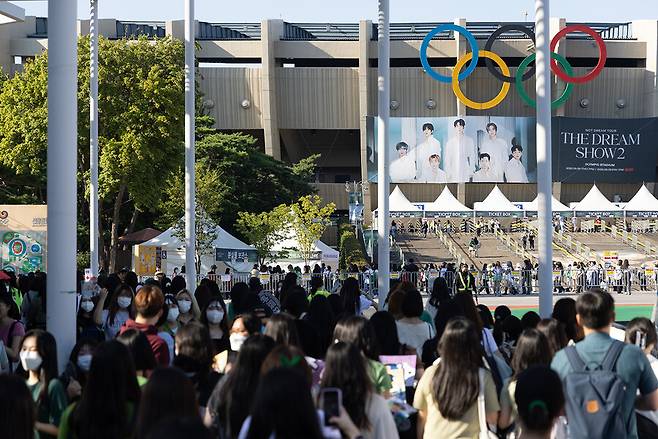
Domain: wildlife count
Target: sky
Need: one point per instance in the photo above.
(219, 11)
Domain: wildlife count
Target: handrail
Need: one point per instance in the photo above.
(575, 248)
(631, 239)
(514, 246)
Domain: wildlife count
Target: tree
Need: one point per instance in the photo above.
(206, 234)
(308, 220)
(141, 108)
(263, 230)
(232, 175)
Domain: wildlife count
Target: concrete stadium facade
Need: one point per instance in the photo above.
(309, 88)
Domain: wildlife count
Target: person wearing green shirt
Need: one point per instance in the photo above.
(108, 404)
(38, 357)
(317, 288)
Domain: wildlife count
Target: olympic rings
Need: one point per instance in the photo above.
(480, 105)
(519, 84)
(489, 44)
(505, 77)
(426, 42)
(603, 54)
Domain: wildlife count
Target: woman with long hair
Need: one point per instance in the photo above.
(76, 371)
(321, 319)
(413, 332)
(140, 352)
(229, 403)
(345, 368)
(214, 317)
(109, 402)
(440, 293)
(532, 348)
(17, 411)
(358, 331)
(11, 330)
(169, 394)
(188, 307)
(446, 396)
(564, 311)
(555, 334)
(282, 328)
(38, 356)
(120, 309)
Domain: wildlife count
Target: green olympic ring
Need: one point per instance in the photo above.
(518, 80)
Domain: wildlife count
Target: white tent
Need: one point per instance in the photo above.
(556, 205)
(496, 204)
(446, 205)
(595, 204)
(235, 253)
(399, 205)
(642, 201)
(321, 253)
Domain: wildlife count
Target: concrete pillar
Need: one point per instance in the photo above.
(647, 32)
(365, 36)
(556, 25)
(271, 31)
(461, 46)
(557, 190)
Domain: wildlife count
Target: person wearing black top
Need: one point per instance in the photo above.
(464, 281)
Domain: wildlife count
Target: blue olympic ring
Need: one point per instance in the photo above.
(426, 42)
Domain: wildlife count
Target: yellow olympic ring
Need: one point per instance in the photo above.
(462, 97)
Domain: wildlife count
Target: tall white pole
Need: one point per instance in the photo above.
(62, 173)
(544, 165)
(190, 192)
(93, 136)
(383, 180)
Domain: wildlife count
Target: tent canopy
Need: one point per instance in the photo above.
(595, 201)
(556, 205)
(224, 240)
(496, 201)
(398, 203)
(642, 201)
(447, 203)
(321, 250)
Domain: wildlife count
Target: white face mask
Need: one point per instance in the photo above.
(184, 306)
(214, 316)
(84, 362)
(124, 302)
(236, 340)
(30, 360)
(172, 315)
(87, 305)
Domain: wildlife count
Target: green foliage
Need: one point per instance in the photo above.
(305, 168)
(205, 233)
(263, 230)
(351, 250)
(308, 220)
(233, 176)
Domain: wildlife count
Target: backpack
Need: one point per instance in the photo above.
(594, 396)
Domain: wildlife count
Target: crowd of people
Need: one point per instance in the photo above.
(159, 360)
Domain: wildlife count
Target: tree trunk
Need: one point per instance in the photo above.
(114, 236)
(131, 225)
(103, 250)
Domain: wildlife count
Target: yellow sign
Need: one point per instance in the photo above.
(649, 272)
(610, 255)
(395, 275)
(144, 260)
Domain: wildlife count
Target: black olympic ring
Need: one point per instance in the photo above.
(489, 44)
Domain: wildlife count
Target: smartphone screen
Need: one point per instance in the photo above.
(330, 404)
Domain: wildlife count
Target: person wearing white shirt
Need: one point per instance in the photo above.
(430, 146)
(485, 173)
(515, 171)
(497, 150)
(403, 168)
(435, 174)
(459, 155)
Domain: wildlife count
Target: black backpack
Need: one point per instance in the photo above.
(594, 396)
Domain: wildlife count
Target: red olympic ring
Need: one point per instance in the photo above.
(603, 54)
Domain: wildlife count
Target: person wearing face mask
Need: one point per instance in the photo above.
(76, 371)
(149, 304)
(188, 308)
(38, 356)
(168, 329)
(117, 313)
(465, 282)
(86, 326)
(243, 326)
(214, 318)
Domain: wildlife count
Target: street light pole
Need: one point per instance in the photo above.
(544, 164)
(190, 192)
(383, 99)
(62, 173)
(93, 137)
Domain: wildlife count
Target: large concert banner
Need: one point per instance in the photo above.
(604, 150)
(458, 149)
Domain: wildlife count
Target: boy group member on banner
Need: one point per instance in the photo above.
(435, 174)
(497, 150)
(485, 173)
(515, 171)
(460, 155)
(429, 147)
(403, 168)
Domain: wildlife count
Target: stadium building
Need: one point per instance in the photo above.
(311, 88)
